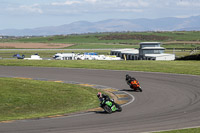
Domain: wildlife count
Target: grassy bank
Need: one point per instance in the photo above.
(23, 98)
(180, 67)
(193, 130)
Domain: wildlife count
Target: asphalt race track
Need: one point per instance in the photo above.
(168, 101)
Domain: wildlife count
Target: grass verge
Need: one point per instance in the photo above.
(192, 130)
(179, 67)
(24, 98)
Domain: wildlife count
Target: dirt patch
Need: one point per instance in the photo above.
(34, 45)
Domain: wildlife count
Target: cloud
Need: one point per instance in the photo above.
(27, 8)
(33, 8)
(183, 16)
(103, 3)
(68, 2)
(130, 10)
(101, 8)
(188, 4)
(91, 1)
(71, 2)
(138, 3)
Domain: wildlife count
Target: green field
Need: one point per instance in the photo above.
(24, 99)
(180, 43)
(189, 39)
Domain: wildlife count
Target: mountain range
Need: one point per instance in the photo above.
(112, 25)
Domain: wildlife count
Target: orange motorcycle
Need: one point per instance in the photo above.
(134, 84)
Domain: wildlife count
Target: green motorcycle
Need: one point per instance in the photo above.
(110, 106)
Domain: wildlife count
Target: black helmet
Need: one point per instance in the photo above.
(127, 76)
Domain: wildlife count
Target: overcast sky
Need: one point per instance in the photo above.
(22, 14)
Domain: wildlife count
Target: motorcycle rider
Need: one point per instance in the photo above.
(103, 97)
(131, 81)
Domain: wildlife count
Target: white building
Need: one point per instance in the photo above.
(64, 56)
(160, 56)
(129, 54)
(85, 56)
(147, 51)
(34, 57)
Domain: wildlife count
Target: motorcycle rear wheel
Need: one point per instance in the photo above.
(107, 109)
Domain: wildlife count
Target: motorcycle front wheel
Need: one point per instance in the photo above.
(140, 89)
(119, 108)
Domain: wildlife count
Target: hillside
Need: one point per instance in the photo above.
(112, 25)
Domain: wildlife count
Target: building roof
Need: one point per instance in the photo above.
(135, 51)
(156, 48)
(65, 54)
(120, 50)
